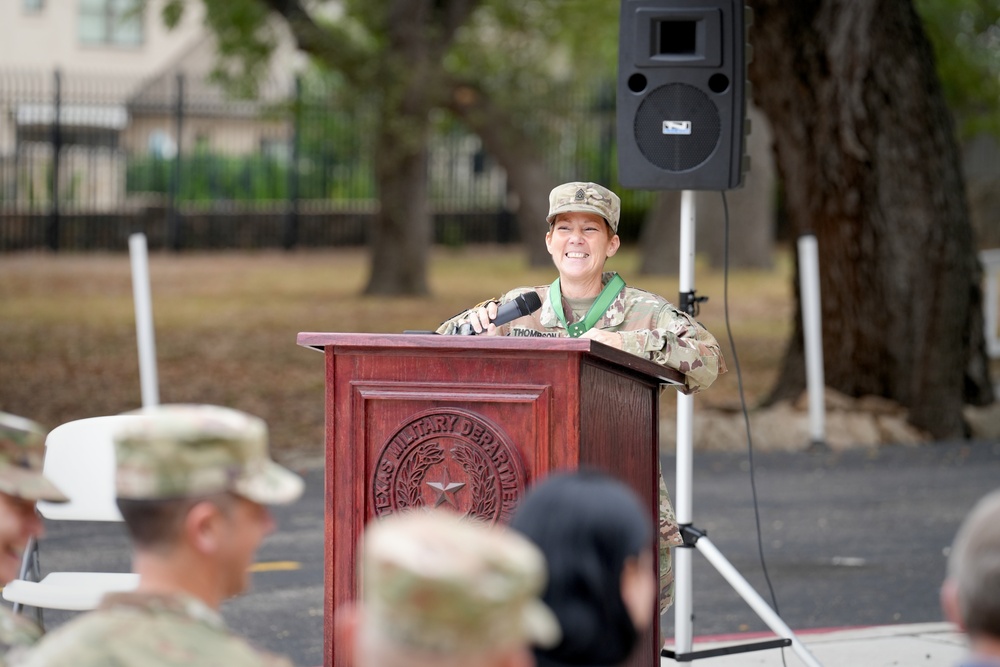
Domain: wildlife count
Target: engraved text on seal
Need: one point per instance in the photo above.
(451, 458)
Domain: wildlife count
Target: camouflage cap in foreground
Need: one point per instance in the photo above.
(22, 453)
(439, 583)
(184, 451)
(585, 197)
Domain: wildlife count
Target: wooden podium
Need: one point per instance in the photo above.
(470, 422)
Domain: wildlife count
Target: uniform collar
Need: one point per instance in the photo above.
(613, 316)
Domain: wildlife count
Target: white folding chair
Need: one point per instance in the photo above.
(80, 460)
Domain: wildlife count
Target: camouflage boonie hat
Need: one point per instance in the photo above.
(22, 453)
(439, 583)
(185, 451)
(586, 197)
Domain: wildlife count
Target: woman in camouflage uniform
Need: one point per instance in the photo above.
(586, 301)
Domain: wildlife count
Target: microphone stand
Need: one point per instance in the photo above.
(693, 537)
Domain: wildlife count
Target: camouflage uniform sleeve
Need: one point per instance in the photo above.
(678, 341)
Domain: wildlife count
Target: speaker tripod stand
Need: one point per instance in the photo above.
(694, 538)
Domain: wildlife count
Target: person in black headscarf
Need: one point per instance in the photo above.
(598, 541)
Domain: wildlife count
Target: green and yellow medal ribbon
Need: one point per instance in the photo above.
(603, 302)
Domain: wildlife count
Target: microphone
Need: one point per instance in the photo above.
(525, 304)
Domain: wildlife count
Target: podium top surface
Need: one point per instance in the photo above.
(368, 341)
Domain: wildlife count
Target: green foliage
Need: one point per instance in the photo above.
(535, 58)
(172, 12)
(966, 39)
(548, 66)
(211, 178)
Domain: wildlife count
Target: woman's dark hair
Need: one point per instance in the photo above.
(587, 524)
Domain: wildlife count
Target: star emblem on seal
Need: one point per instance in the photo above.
(446, 490)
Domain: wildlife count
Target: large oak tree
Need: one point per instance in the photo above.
(866, 149)
(489, 63)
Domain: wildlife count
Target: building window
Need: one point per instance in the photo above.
(113, 22)
(33, 6)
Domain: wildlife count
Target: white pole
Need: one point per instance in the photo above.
(990, 260)
(683, 585)
(812, 328)
(148, 383)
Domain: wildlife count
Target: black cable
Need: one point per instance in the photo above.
(743, 406)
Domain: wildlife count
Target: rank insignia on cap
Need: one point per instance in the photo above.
(585, 198)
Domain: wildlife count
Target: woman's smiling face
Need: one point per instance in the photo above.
(579, 244)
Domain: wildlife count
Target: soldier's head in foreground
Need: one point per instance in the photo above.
(440, 589)
(971, 591)
(193, 484)
(22, 451)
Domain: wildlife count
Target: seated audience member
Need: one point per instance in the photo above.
(971, 592)
(22, 450)
(598, 541)
(192, 483)
(440, 590)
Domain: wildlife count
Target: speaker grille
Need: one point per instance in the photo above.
(677, 102)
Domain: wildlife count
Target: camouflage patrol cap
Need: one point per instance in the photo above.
(440, 583)
(184, 451)
(586, 197)
(22, 452)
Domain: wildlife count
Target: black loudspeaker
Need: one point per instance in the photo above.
(682, 94)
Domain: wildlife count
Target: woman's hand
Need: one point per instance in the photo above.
(609, 338)
(481, 319)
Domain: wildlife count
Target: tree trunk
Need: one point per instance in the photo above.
(751, 208)
(533, 207)
(659, 238)
(401, 235)
(410, 74)
(981, 166)
(527, 173)
(866, 149)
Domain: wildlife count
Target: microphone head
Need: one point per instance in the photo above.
(528, 303)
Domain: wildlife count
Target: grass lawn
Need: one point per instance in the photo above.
(226, 325)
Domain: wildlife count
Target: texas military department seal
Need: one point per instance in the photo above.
(453, 458)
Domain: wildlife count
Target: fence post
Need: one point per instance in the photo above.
(52, 229)
(173, 213)
(292, 216)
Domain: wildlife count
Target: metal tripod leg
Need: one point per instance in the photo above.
(693, 538)
(746, 591)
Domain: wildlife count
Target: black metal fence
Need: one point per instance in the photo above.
(85, 161)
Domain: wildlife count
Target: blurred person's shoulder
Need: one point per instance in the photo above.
(147, 631)
(16, 633)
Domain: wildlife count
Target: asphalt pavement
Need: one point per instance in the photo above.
(855, 538)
